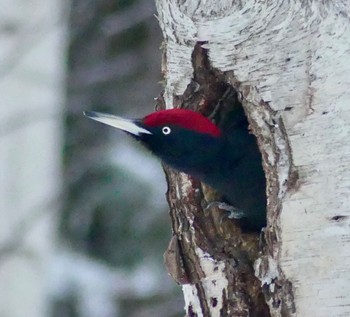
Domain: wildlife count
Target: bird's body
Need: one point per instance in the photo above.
(228, 160)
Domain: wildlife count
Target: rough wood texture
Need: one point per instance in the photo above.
(208, 254)
(289, 60)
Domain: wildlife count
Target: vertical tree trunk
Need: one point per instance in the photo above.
(288, 62)
(32, 48)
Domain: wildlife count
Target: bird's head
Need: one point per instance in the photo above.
(182, 138)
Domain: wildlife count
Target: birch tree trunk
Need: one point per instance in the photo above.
(289, 62)
(32, 48)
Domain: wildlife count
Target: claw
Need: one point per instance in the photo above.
(233, 213)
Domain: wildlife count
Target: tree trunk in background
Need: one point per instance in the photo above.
(32, 63)
(289, 63)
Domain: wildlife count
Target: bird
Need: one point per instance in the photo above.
(228, 160)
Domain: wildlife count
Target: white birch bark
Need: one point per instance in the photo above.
(290, 60)
(32, 47)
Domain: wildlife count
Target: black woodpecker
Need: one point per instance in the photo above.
(189, 142)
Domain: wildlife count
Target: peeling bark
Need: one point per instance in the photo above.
(288, 64)
(208, 254)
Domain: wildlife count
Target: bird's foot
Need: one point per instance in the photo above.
(233, 213)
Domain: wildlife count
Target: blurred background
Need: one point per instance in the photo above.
(84, 217)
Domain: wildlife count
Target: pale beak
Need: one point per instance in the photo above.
(126, 125)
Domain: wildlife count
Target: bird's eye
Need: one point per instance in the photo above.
(166, 130)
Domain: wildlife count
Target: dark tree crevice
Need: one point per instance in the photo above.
(220, 237)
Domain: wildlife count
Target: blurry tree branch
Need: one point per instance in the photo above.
(106, 70)
(119, 22)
